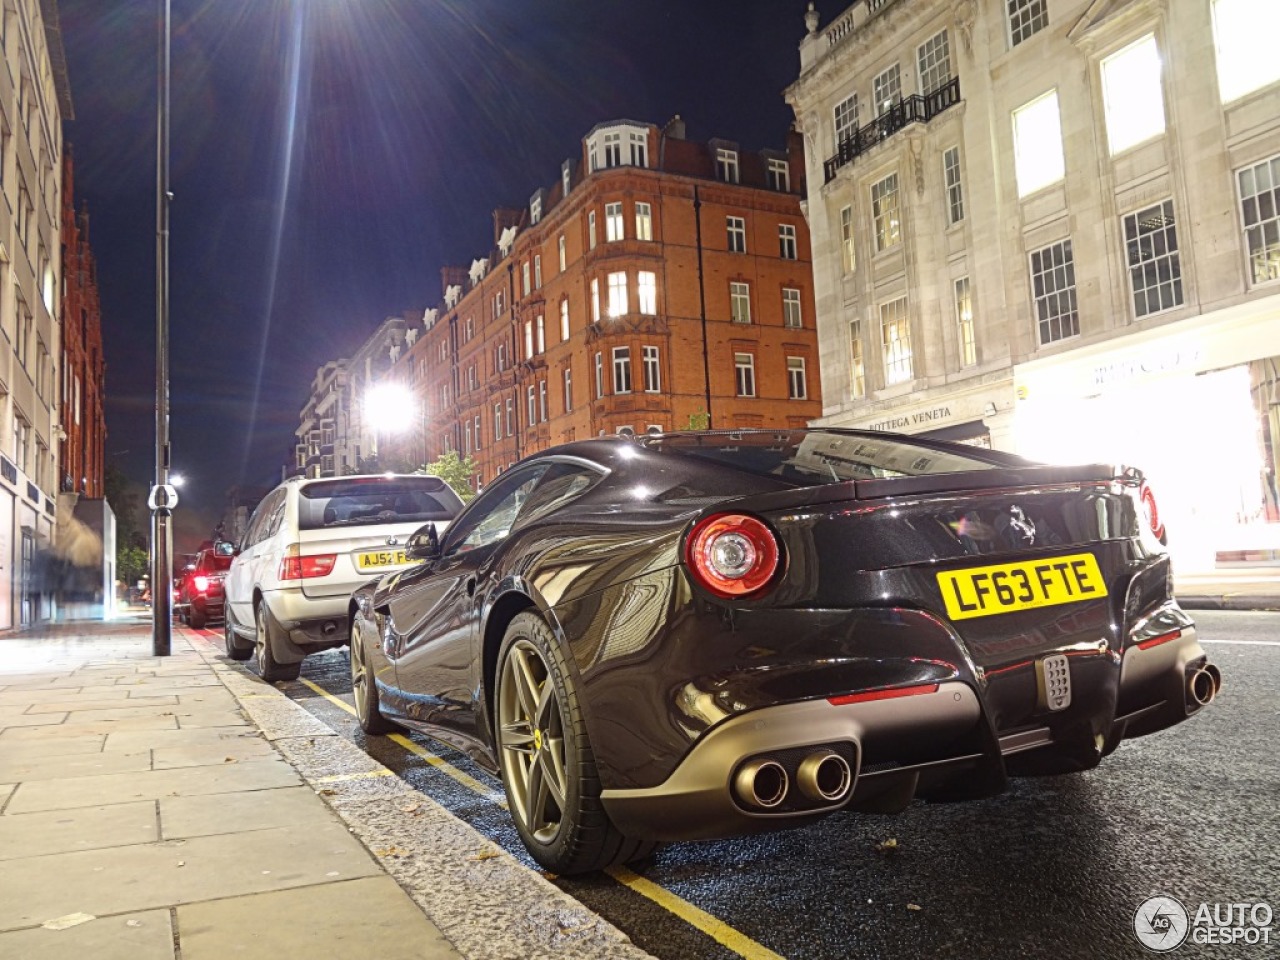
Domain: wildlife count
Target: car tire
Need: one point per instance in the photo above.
(268, 667)
(548, 767)
(196, 619)
(364, 688)
(234, 645)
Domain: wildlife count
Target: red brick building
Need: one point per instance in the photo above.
(660, 283)
(81, 414)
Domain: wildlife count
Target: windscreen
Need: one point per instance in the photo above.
(808, 458)
(211, 562)
(367, 501)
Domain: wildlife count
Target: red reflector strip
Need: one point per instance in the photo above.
(1156, 641)
(891, 694)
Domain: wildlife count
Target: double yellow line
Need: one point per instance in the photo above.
(716, 929)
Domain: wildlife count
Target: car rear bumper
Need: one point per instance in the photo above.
(306, 625)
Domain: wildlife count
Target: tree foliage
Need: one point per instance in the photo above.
(454, 470)
(132, 564)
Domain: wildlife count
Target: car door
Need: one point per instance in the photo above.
(244, 574)
(435, 609)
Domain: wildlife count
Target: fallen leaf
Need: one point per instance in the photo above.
(182, 863)
(411, 808)
(890, 844)
(229, 760)
(70, 920)
(391, 851)
(327, 792)
(486, 855)
(914, 906)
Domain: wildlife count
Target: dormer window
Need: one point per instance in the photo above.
(779, 175)
(566, 177)
(727, 164)
(535, 210)
(639, 148)
(615, 146)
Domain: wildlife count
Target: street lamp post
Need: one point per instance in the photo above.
(161, 530)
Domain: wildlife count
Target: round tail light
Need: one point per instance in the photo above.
(733, 555)
(201, 583)
(1152, 511)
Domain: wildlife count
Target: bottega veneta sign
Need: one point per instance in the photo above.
(915, 419)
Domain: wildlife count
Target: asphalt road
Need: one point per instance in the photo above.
(1054, 868)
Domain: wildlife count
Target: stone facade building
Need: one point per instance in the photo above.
(658, 284)
(1052, 226)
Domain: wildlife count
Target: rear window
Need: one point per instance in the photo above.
(817, 457)
(211, 561)
(367, 501)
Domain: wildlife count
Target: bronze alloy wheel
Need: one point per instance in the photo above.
(533, 743)
(364, 686)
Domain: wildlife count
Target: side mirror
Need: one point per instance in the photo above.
(225, 548)
(424, 544)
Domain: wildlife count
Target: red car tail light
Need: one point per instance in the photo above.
(1152, 511)
(200, 583)
(297, 566)
(891, 693)
(733, 555)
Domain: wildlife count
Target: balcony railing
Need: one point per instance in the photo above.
(912, 109)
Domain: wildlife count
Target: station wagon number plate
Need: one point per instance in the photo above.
(381, 558)
(1007, 587)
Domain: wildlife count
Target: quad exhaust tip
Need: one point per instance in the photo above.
(761, 784)
(824, 776)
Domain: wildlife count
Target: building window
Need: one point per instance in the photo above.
(528, 339)
(477, 425)
(886, 89)
(542, 401)
(1037, 144)
(540, 326)
(595, 299)
(1053, 284)
(591, 230)
(652, 370)
(511, 416)
(791, 316)
(1260, 209)
(468, 330)
(1132, 95)
(847, 258)
(568, 389)
(644, 221)
(617, 294)
(647, 292)
(535, 210)
(639, 148)
(951, 179)
(933, 58)
(564, 320)
(526, 278)
(497, 421)
(613, 149)
(613, 222)
(537, 271)
(797, 382)
(846, 118)
(467, 429)
(621, 369)
(787, 241)
(964, 323)
(502, 357)
(531, 404)
(565, 178)
(1244, 33)
(1026, 18)
(737, 230)
(779, 175)
(895, 341)
(740, 302)
(727, 164)
(1155, 268)
(599, 375)
(744, 370)
(884, 212)
(563, 257)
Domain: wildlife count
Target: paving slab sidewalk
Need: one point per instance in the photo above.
(154, 808)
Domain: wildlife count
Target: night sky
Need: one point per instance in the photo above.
(329, 156)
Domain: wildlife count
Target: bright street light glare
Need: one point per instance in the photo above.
(388, 407)
(177, 479)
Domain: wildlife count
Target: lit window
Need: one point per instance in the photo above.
(563, 259)
(591, 230)
(535, 209)
(617, 294)
(1132, 96)
(887, 89)
(791, 316)
(951, 179)
(737, 230)
(621, 369)
(644, 221)
(1026, 18)
(727, 164)
(1260, 209)
(542, 333)
(647, 292)
(537, 271)
(740, 302)
(895, 340)
(933, 58)
(652, 370)
(797, 382)
(612, 222)
(787, 241)
(964, 321)
(526, 277)
(884, 211)
(779, 175)
(528, 339)
(564, 320)
(1053, 285)
(846, 118)
(595, 299)
(1037, 144)
(847, 257)
(1155, 266)
(744, 369)
(1245, 32)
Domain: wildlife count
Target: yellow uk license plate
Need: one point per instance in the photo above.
(1006, 587)
(381, 558)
